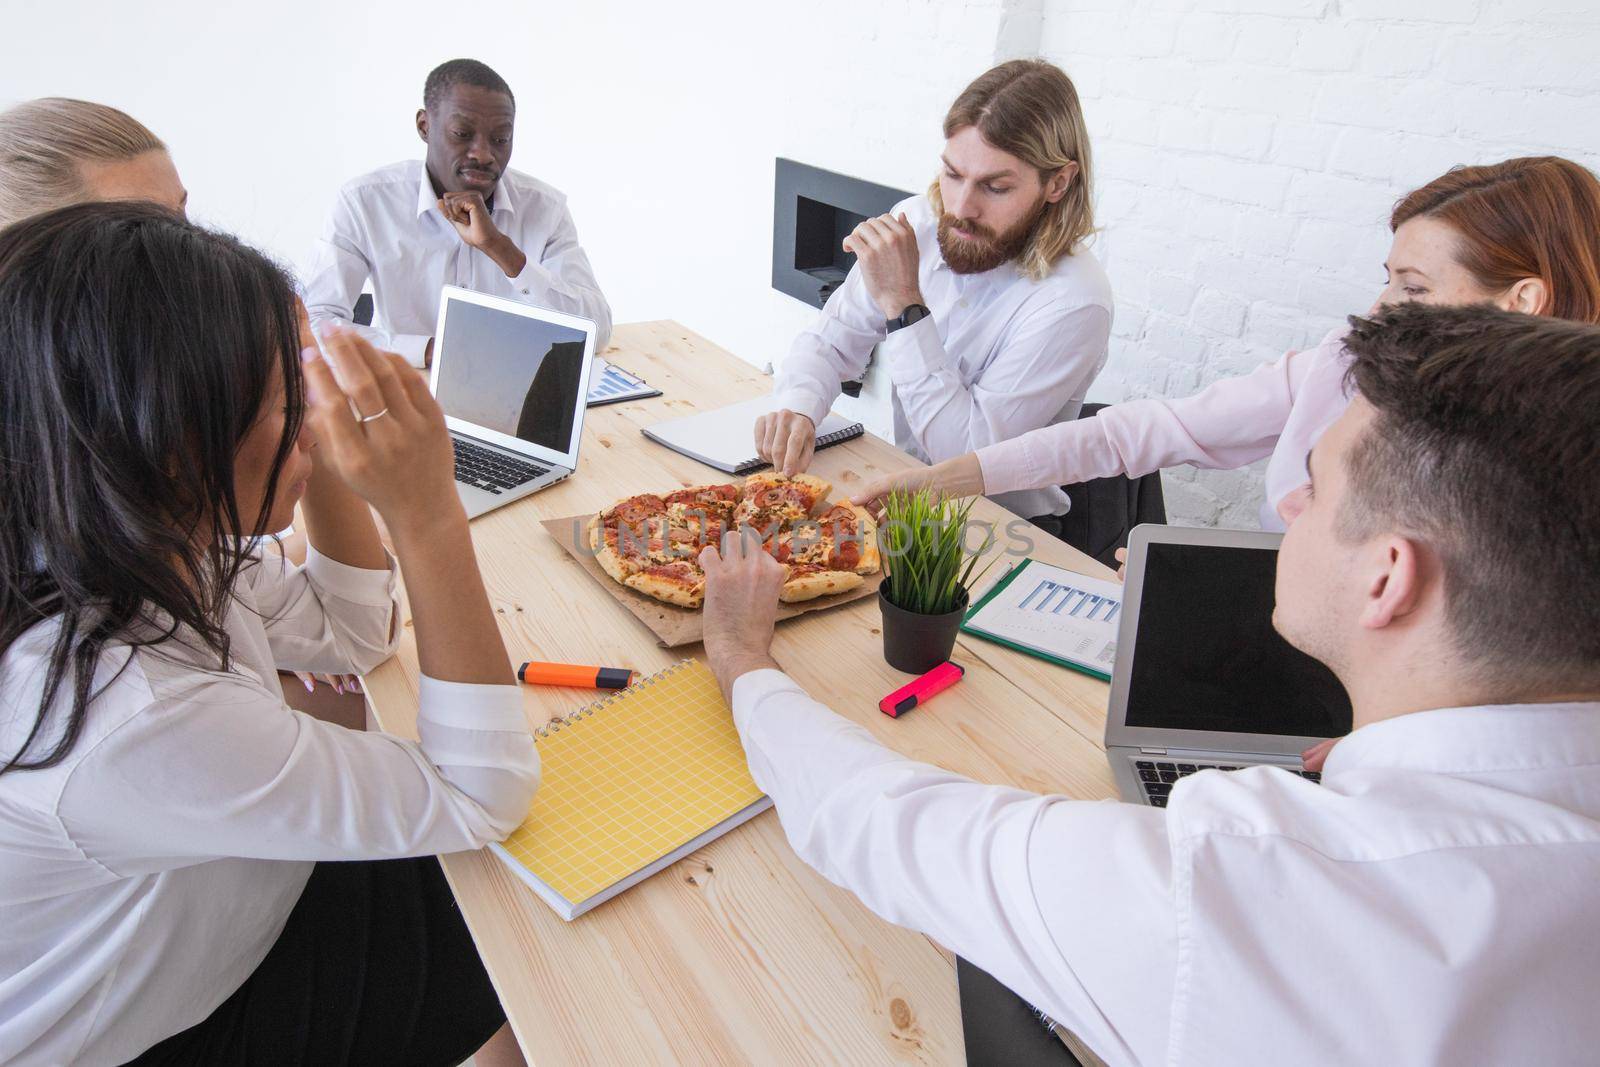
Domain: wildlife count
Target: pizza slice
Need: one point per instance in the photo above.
(768, 498)
(807, 581)
(604, 543)
(852, 539)
(679, 582)
(713, 501)
(699, 514)
(623, 549)
(843, 538)
(634, 511)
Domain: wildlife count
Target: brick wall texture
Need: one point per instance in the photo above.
(1248, 153)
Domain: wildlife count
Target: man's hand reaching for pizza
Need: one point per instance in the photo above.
(786, 439)
(742, 585)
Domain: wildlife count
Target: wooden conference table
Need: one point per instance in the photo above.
(739, 953)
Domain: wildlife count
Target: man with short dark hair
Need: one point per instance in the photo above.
(1433, 900)
(461, 216)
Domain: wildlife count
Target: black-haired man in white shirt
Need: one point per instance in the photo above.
(460, 216)
(1433, 900)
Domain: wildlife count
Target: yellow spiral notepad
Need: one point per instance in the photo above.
(629, 785)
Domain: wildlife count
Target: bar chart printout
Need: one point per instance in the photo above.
(1054, 597)
(609, 383)
(1054, 613)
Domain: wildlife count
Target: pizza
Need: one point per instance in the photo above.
(651, 542)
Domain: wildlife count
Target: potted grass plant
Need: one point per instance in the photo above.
(928, 575)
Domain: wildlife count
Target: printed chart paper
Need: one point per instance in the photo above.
(1054, 613)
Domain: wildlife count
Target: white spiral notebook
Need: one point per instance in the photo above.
(725, 438)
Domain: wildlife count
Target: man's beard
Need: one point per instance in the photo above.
(982, 250)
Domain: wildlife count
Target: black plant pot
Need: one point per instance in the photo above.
(917, 643)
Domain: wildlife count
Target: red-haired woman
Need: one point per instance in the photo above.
(1523, 235)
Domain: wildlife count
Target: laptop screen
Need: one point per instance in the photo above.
(1208, 658)
(510, 373)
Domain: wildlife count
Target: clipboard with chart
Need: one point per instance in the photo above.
(610, 384)
(1066, 618)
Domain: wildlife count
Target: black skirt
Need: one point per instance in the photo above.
(375, 965)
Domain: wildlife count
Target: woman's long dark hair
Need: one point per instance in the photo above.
(136, 351)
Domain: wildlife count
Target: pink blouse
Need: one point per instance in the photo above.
(1278, 410)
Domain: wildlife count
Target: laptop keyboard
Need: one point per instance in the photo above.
(1158, 776)
(493, 472)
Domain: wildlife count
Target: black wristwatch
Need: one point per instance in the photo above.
(913, 314)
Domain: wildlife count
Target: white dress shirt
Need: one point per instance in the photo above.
(1433, 901)
(144, 877)
(387, 226)
(1001, 354)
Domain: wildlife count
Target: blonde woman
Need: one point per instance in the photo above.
(990, 316)
(55, 151)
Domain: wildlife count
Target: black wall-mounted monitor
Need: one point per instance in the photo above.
(813, 211)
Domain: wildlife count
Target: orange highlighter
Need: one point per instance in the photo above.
(574, 675)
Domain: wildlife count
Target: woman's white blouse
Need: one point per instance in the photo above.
(144, 877)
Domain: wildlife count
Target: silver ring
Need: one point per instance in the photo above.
(379, 415)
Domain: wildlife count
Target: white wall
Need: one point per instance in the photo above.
(1247, 150)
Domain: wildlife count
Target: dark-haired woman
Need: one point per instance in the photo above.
(167, 825)
(1523, 234)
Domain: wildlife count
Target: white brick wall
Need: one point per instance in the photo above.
(1249, 151)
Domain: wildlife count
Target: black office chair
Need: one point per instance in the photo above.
(361, 314)
(1104, 510)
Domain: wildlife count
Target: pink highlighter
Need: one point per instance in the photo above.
(921, 689)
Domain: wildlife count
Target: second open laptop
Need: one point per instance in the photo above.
(1202, 680)
(513, 380)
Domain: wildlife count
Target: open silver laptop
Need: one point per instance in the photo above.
(1202, 680)
(513, 380)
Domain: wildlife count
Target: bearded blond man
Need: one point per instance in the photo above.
(990, 316)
